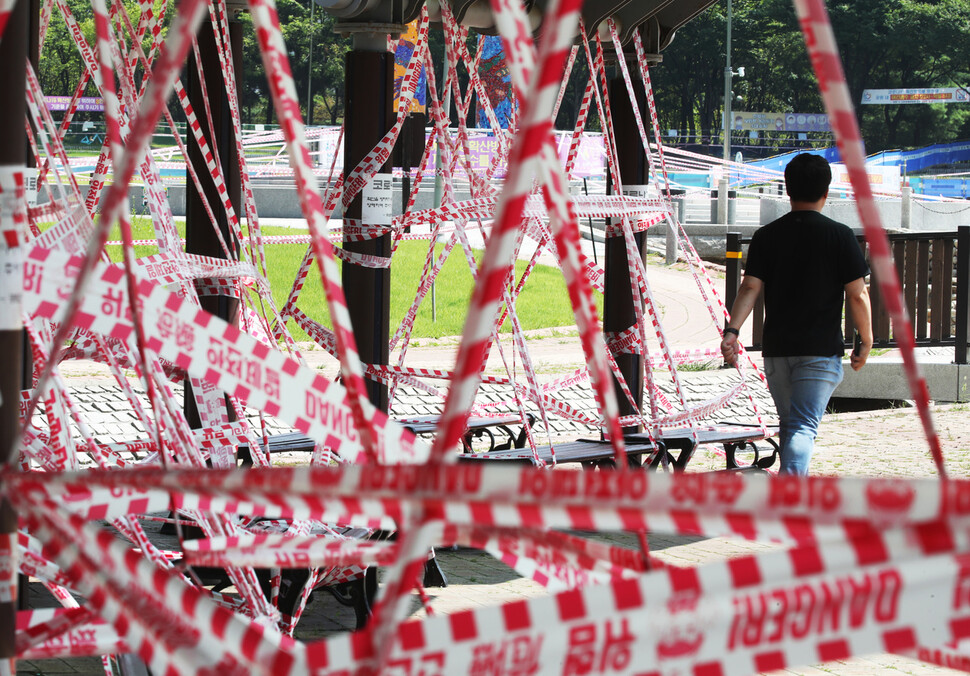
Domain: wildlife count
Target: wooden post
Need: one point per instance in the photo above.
(963, 293)
(200, 237)
(369, 89)
(13, 155)
(732, 272)
(619, 312)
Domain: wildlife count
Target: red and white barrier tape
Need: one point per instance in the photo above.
(608, 631)
(210, 349)
(827, 63)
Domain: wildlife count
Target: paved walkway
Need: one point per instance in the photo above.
(884, 442)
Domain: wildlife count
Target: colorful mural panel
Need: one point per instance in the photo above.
(497, 82)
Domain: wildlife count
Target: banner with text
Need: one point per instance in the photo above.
(85, 104)
(910, 96)
(780, 122)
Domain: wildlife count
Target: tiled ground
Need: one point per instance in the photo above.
(881, 442)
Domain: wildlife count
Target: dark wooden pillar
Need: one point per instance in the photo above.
(13, 55)
(407, 151)
(619, 313)
(369, 89)
(200, 237)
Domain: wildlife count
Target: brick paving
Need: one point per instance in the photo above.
(881, 442)
(884, 442)
(107, 412)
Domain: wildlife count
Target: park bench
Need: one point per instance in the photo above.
(477, 427)
(733, 437)
(509, 427)
(592, 454)
(358, 593)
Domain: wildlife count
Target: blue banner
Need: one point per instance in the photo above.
(915, 160)
(940, 187)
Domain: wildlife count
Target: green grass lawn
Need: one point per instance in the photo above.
(543, 302)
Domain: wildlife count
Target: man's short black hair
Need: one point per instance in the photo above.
(807, 177)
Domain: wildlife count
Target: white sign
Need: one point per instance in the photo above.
(11, 287)
(377, 206)
(30, 186)
(911, 96)
(636, 190)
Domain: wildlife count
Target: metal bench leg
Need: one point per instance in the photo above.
(511, 440)
(687, 449)
(355, 594)
(759, 462)
(765, 463)
(293, 582)
(433, 575)
(523, 437)
(661, 460)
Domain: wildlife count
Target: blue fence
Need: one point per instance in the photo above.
(779, 162)
(914, 160)
(924, 158)
(941, 187)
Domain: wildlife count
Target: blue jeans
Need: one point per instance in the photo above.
(801, 387)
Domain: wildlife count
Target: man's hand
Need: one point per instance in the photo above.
(730, 349)
(857, 305)
(748, 294)
(858, 360)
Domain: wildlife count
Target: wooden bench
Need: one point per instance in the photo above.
(733, 436)
(599, 454)
(477, 428)
(590, 453)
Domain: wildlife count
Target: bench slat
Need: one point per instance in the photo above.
(584, 451)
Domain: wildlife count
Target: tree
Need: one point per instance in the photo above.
(328, 68)
(300, 31)
(61, 66)
(690, 78)
(883, 44)
(912, 44)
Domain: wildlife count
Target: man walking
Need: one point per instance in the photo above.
(806, 263)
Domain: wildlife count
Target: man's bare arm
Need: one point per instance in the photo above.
(857, 305)
(743, 304)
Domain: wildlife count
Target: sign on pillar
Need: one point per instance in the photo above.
(377, 205)
(640, 192)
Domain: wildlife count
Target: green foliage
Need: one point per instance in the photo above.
(883, 44)
(61, 65)
(307, 30)
(690, 81)
(905, 44)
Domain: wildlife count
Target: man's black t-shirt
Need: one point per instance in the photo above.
(805, 260)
